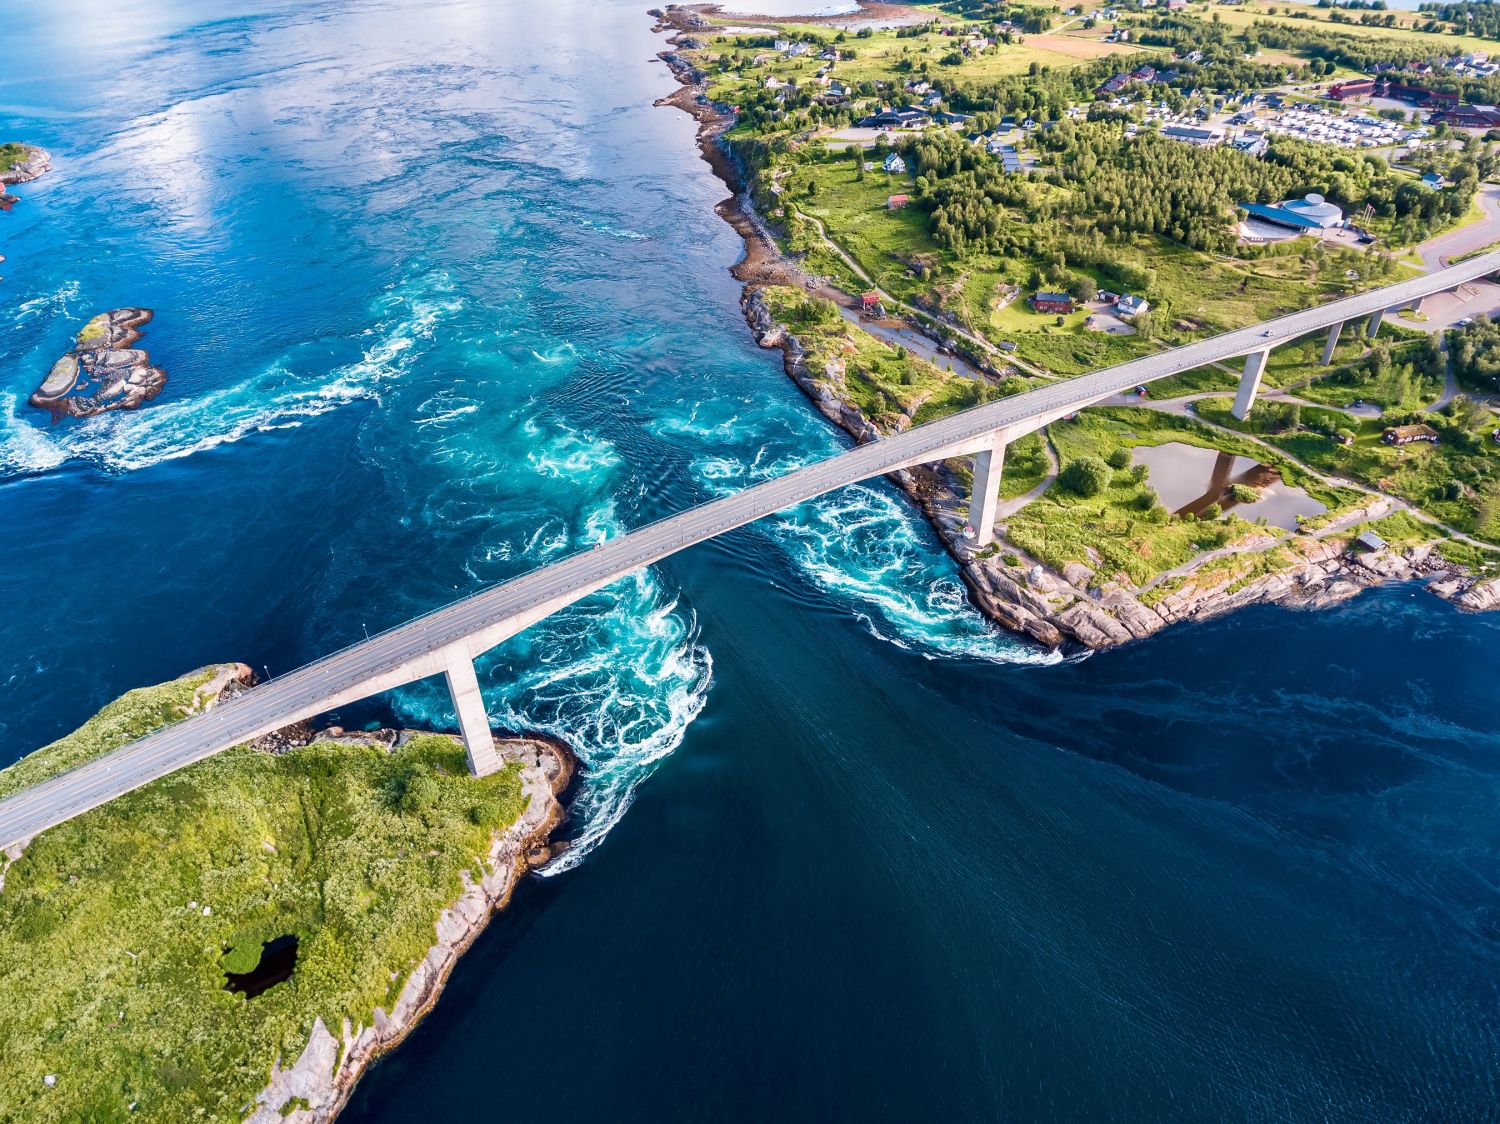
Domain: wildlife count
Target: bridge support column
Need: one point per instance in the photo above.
(984, 499)
(1333, 342)
(468, 704)
(1373, 327)
(1255, 366)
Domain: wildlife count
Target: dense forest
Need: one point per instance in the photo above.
(1115, 184)
(1476, 355)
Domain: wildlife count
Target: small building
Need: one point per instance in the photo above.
(894, 164)
(1370, 541)
(1129, 306)
(1206, 136)
(1405, 434)
(1051, 302)
(896, 202)
(869, 301)
(1433, 180)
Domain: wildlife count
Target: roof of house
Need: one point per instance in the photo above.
(1370, 541)
(1411, 432)
(1130, 302)
(1053, 298)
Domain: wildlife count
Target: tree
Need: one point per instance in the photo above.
(1086, 477)
(1120, 458)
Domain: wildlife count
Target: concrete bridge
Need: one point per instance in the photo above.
(445, 642)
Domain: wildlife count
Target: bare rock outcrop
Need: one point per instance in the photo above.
(104, 371)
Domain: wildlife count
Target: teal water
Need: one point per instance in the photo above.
(441, 297)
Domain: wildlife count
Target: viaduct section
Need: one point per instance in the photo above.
(446, 641)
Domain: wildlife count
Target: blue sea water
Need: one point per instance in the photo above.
(441, 297)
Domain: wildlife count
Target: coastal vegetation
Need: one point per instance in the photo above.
(1115, 522)
(118, 927)
(1455, 479)
(1096, 199)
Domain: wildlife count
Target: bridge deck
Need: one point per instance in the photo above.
(405, 653)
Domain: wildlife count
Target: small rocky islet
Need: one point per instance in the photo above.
(104, 371)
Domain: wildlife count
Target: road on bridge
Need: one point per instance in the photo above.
(406, 653)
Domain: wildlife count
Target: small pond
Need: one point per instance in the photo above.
(277, 959)
(1188, 479)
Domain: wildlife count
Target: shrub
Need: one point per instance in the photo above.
(1243, 493)
(1012, 559)
(1120, 458)
(1211, 512)
(1087, 476)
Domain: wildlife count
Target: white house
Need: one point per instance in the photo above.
(1129, 306)
(894, 163)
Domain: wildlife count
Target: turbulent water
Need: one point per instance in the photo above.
(442, 298)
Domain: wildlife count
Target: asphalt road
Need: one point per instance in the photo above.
(283, 700)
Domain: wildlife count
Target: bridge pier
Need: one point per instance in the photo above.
(1333, 342)
(468, 704)
(1372, 329)
(984, 497)
(1255, 367)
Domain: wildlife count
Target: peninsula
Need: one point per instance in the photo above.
(294, 908)
(919, 243)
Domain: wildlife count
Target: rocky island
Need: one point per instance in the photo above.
(289, 908)
(20, 163)
(104, 371)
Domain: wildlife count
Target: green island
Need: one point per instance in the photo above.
(986, 197)
(120, 929)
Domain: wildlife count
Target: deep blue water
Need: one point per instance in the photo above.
(442, 297)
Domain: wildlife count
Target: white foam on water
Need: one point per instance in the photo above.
(619, 676)
(55, 303)
(278, 397)
(867, 548)
(558, 353)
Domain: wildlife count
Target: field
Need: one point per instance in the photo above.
(895, 248)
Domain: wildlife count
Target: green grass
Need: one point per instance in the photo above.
(1446, 482)
(885, 385)
(11, 154)
(113, 981)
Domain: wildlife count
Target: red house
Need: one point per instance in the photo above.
(1052, 302)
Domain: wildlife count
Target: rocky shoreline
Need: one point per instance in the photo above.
(33, 163)
(315, 1087)
(1077, 606)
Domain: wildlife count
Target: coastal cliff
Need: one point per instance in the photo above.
(316, 1086)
